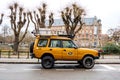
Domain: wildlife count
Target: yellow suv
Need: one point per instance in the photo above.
(52, 48)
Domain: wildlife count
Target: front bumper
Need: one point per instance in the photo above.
(97, 57)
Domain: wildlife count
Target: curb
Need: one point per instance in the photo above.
(55, 63)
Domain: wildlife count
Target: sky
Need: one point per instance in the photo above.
(106, 10)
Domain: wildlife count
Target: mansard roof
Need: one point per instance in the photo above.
(87, 21)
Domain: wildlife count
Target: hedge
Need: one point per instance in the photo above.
(111, 48)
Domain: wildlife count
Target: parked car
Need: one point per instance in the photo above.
(52, 48)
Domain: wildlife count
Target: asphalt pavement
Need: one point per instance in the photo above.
(59, 72)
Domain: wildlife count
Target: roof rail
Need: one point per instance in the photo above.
(49, 32)
(46, 31)
(69, 36)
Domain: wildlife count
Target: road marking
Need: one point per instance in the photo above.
(2, 65)
(1, 69)
(31, 69)
(97, 70)
(118, 69)
(108, 67)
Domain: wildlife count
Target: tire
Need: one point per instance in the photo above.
(88, 62)
(47, 62)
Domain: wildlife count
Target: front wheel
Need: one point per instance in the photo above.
(88, 62)
(47, 62)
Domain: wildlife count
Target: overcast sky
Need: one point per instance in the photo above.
(106, 10)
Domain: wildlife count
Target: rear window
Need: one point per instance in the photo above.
(55, 43)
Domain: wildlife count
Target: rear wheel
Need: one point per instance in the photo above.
(88, 62)
(47, 62)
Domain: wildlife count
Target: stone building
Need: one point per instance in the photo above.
(89, 36)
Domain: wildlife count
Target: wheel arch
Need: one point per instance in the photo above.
(88, 55)
(47, 54)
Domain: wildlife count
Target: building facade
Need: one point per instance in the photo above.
(88, 36)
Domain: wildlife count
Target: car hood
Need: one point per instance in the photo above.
(87, 50)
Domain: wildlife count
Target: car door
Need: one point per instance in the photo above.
(69, 50)
(40, 47)
(55, 48)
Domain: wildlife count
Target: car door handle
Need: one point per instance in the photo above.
(50, 49)
(64, 50)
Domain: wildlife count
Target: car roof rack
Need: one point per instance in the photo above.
(69, 36)
(49, 32)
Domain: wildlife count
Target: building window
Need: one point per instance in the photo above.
(95, 44)
(86, 35)
(90, 35)
(87, 31)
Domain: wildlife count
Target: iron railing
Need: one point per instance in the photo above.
(9, 54)
(26, 55)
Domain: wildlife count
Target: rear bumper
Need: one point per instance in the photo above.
(32, 55)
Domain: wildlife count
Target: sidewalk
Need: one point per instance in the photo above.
(36, 61)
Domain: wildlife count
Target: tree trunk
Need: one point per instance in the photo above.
(70, 33)
(15, 45)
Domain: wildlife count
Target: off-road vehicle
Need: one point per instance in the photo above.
(51, 48)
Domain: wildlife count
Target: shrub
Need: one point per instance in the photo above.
(111, 48)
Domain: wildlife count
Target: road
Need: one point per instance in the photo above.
(59, 72)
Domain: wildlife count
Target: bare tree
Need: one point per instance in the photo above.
(18, 19)
(1, 39)
(72, 16)
(28, 38)
(38, 19)
(114, 35)
(1, 19)
(5, 31)
(104, 39)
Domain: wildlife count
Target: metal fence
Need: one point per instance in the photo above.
(26, 55)
(9, 54)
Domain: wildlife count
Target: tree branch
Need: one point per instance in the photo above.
(1, 18)
(51, 20)
(26, 28)
(31, 18)
(81, 25)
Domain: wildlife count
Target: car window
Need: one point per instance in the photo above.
(68, 44)
(42, 43)
(55, 43)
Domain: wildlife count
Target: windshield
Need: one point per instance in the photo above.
(68, 44)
